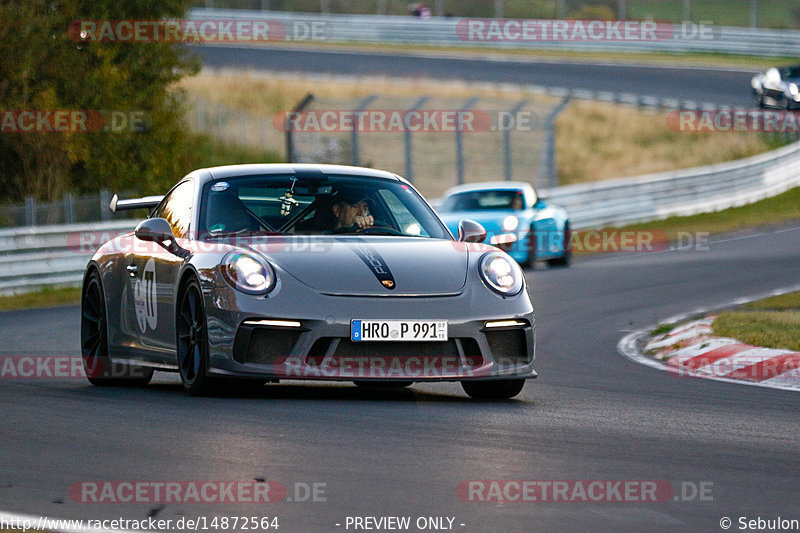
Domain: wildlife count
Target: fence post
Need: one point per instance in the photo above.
(290, 155)
(30, 211)
(242, 128)
(549, 172)
(356, 158)
(460, 140)
(69, 208)
(407, 134)
(507, 138)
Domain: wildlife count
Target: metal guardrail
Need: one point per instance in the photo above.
(35, 257)
(393, 29)
(685, 192)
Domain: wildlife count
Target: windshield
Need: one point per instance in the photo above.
(788, 73)
(483, 201)
(315, 205)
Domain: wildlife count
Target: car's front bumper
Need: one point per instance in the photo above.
(308, 337)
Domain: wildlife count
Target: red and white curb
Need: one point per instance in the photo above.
(692, 350)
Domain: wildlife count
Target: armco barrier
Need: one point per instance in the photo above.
(685, 192)
(394, 29)
(35, 257)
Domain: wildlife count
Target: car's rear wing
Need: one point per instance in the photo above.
(147, 202)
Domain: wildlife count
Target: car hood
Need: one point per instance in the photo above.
(371, 265)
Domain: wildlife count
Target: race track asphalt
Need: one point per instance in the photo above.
(699, 85)
(591, 415)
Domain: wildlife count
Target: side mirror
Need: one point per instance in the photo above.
(471, 231)
(541, 203)
(155, 230)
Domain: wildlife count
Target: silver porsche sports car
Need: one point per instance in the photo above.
(249, 274)
(777, 87)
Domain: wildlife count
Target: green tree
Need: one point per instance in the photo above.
(43, 67)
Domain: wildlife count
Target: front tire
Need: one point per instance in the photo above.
(97, 364)
(192, 343)
(493, 390)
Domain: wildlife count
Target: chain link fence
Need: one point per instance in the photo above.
(434, 142)
(70, 209)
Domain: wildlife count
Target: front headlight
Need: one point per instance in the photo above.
(510, 223)
(501, 273)
(247, 273)
(793, 89)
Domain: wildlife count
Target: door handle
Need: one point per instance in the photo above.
(132, 270)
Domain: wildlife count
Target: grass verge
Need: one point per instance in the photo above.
(783, 302)
(47, 297)
(211, 152)
(597, 141)
(594, 140)
(778, 328)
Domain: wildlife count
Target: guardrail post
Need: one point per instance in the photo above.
(460, 140)
(507, 138)
(30, 211)
(407, 134)
(549, 171)
(105, 201)
(498, 9)
(354, 133)
(290, 154)
(69, 208)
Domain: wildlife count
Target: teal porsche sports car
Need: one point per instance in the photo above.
(517, 220)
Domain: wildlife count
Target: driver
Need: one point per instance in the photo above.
(351, 212)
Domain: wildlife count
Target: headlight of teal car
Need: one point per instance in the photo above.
(247, 273)
(501, 274)
(510, 223)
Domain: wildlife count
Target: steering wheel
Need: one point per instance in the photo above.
(378, 230)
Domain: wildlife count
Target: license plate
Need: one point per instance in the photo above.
(398, 330)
